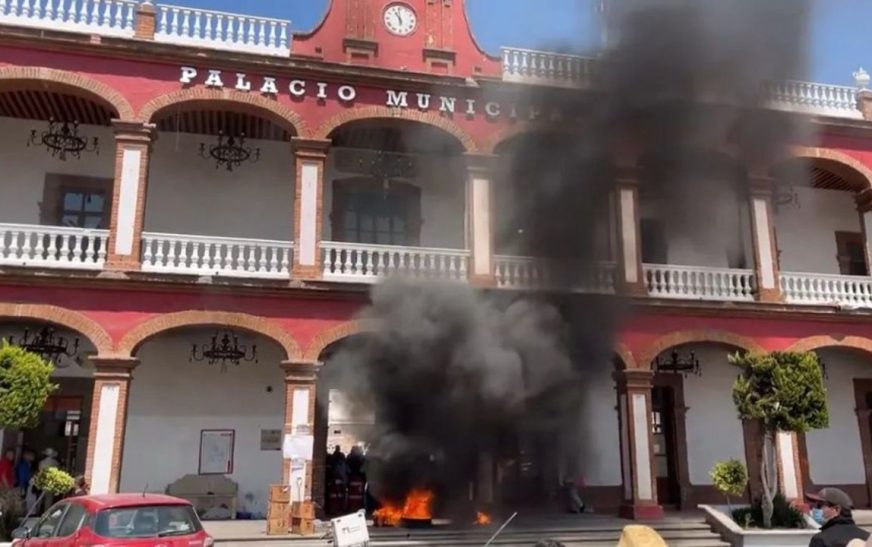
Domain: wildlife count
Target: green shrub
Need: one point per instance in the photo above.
(784, 515)
(54, 481)
(25, 384)
(730, 477)
(12, 507)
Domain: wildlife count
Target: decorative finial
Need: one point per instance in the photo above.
(861, 78)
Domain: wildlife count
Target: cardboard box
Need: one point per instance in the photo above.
(303, 527)
(280, 493)
(278, 509)
(277, 526)
(303, 510)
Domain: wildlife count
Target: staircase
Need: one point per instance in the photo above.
(570, 530)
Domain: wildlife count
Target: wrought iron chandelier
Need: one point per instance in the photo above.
(785, 195)
(230, 151)
(48, 344)
(378, 164)
(62, 139)
(224, 349)
(676, 364)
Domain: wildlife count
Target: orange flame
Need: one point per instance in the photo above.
(482, 519)
(417, 506)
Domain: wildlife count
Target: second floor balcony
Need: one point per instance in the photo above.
(383, 196)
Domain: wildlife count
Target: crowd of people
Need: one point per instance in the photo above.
(19, 474)
(346, 481)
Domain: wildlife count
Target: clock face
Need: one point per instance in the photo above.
(400, 19)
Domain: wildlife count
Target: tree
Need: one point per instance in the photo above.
(785, 392)
(25, 384)
(730, 479)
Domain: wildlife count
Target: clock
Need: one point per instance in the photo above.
(400, 19)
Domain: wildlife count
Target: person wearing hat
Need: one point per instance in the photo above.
(831, 508)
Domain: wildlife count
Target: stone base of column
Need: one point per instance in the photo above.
(641, 511)
(306, 272)
(769, 295)
(121, 264)
(482, 281)
(633, 289)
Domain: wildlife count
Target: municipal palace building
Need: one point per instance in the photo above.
(195, 204)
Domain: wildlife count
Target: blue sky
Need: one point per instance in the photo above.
(838, 39)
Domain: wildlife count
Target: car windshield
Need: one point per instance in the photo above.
(147, 521)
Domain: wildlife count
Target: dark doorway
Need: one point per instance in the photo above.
(863, 399)
(664, 444)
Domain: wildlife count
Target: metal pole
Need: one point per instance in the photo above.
(493, 537)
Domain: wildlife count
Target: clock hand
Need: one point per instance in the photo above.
(399, 18)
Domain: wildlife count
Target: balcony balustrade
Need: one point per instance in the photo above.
(699, 283)
(103, 17)
(545, 68)
(216, 256)
(363, 263)
(825, 289)
(520, 272)
(220, 30)
(52, 247)
(813, 98)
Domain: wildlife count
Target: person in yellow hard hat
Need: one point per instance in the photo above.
(636, 535)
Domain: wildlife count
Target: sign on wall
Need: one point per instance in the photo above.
(216, 451)
(270, 439)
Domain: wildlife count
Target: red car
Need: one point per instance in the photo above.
(135, 520)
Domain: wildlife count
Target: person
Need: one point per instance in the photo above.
(831, 508)
(24, 469)
(49, 459)
(7, 470)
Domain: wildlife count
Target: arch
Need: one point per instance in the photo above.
(514, 130)
(251, 102)
(334, 334)
(697, 336)
(79, 83)
(386, 113)
(63, 317)
(812, 343)
(818, 153)
(626, 357)
(134, 338)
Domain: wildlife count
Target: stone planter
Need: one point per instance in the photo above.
(719, 518)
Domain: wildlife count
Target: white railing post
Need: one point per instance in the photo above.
(697, 282)
(51, 246)
(826, 289)
(364, 263)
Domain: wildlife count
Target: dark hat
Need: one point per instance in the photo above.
(832, 496)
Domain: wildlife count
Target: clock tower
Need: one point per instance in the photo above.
(431, 36)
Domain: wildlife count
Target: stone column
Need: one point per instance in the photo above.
(310, 158)
(108, 420)
(145, 21)
(637, 461)
(763, 239)
(630, 279)
(789, 469)
(479, 210)
(299, 420)
(133, 145)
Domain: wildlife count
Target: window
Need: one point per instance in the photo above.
(45, 528)
(654, 248)
(147, 521)
(368, 212)
(852, 253)
(78, 202)
(72, 520)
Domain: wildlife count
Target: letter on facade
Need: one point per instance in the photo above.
(398, 100)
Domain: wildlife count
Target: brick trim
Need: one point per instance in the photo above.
(135, 337)
(81, 85)
(252, 103)
(508, 133)
(832, 340)
(72, 320)
(696, 336)
(334, 334)
(385, 113)
(628, 361)
(815, 152)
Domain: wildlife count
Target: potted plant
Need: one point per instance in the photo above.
(730, 478)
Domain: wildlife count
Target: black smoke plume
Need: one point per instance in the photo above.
(678, 98)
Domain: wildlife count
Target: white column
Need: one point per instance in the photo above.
(299, 424)
(632, 279)
(133, 145)
(310, 158)
(479, 210)
(788, 465)
(108, 420)
(763, 237)
(640, 493)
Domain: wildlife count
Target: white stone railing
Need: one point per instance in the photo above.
(220, 30)
(523, 272)
(542, 67)
(218, 256)
(696, 282)
(363, 263)
(827, 289)
(52, 246)
(813, 98)
(103, 17)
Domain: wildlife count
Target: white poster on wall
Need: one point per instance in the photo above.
(298, 447)
(216, 451)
